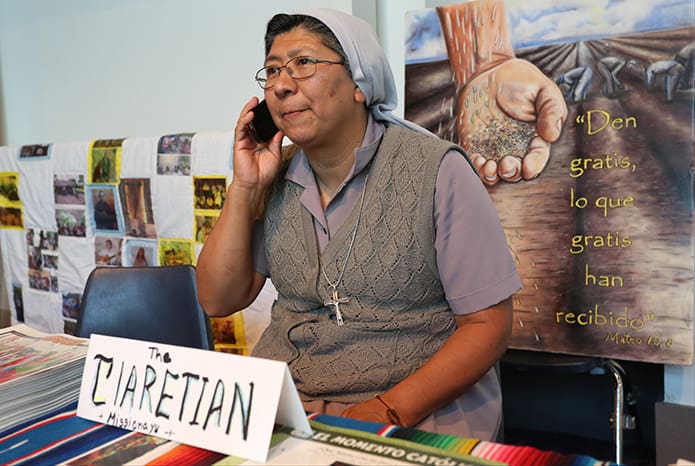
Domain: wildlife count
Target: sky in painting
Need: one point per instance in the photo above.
(539, 22)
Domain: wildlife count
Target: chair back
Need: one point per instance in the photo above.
(158, 304)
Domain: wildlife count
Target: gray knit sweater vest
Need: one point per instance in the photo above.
(397, 316)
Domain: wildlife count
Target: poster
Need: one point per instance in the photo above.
(599, 219)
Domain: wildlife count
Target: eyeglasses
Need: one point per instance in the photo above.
(297, 68)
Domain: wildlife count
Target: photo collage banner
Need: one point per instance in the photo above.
(67, 208)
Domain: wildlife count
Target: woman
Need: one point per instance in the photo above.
(381, 314)
(140, 259)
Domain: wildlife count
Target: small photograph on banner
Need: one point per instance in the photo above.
(104, 161)
(229, 335)
(69, 196)
(139, 253)
(42, 259)
(9, 189)
(10, 204)
(43, 240)
(71, 221)
(176, 251)
(204, 222)
(175, 144)
(174, 165)
(209, 192)
(42, 280)
(35, 151)
(107, 251)
(11, 218)
(103, 203)
(71, 305)
(174, 155)
(68, 189)
(70, 311)
(18, 302)
(137, 207)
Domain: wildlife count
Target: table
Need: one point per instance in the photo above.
(48, 431)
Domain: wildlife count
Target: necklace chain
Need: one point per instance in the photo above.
(336, 300)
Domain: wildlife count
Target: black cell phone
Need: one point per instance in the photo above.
(262, 126)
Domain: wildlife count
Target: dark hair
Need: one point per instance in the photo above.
(282, 23)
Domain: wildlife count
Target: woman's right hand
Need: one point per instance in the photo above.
(227, 255)
(255, 163)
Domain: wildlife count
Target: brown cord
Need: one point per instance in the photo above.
(390, 412)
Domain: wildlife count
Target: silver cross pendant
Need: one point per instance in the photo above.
(336, 301)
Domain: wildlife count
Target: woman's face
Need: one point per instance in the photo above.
(314, 111)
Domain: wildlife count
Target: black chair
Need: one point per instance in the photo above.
(535, 362)
(157, 304)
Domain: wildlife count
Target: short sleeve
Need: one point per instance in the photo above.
(260, 261)
(473, 259)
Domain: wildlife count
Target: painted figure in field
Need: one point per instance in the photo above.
(609, 68)
(686, 57)
(671, 70)
(577, 82)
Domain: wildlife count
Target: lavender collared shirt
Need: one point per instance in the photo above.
(473, 260)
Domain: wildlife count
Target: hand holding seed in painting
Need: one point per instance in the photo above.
(510, 115)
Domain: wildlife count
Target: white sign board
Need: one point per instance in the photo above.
(217, 401)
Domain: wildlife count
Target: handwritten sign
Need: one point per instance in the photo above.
(217, 401)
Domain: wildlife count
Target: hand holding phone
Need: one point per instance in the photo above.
(262, 127)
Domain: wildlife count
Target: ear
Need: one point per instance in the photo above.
(359, 97)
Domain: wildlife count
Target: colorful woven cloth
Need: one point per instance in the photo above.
(508, 454)
(59, 437)
(54, 439)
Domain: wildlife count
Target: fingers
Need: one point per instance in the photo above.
(486, 171)
(509, 169)
(512, 169)
(366, 411)
(552, 112)
(241, 129)
(275, 144)
(246, 113)
(536, 159)
(478, 161)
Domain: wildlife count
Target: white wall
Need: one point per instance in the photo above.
(87, 69)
